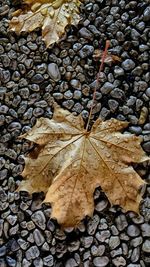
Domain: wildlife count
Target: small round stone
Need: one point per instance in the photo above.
(128, 64)
(133, 230)
(101, 261)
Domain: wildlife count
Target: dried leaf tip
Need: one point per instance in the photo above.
(51, 16)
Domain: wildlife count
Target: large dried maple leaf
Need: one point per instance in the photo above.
(52, 15)
(69, 163)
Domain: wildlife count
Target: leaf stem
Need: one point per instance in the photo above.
(98, 81)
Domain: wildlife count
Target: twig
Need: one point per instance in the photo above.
(98, 81)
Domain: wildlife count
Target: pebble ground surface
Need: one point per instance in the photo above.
(30, 77)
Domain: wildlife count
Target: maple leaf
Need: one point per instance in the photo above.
(52, 15)
(70, 162)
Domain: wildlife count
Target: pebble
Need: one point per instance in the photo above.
(101, 261)
(53, 72)
(145, 227)
(92, 225)
(86, 50)
(39, 219)
(32, 253)
(121, 222)
(128, 64)
(146, 246)
(119, 261)
(114, 242)
(133, 230)
(48, 261)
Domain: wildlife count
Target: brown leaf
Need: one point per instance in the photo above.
(71, 163)
(108, 59)
(52, 15)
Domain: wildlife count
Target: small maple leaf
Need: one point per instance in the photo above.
(52, 15)
(71, 162)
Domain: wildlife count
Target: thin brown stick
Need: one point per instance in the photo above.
(98, 81)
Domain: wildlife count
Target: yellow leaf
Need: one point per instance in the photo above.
(51, 15)
(70, 162)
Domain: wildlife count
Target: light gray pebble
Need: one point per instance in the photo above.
(145, 227)
(38, 237)
(135, 254)
(32, 253)
(101, 236)
(117, 93)
(121, 222)
(87, 241)
(54, 72)
(38, 112)
(4, 109)
(75, 84)
(26, 263)
(107, 88)
(68, 94)
(114, 242)
(11, 219)
(77, 108)
(38, 262)
(119, 261)
(135, 242)
(128, 64)
(92, 225)
(101, 261)
(113, 105)
(133, 230)
(68, 104)
(58, 96)
(146, 14)
(104, 113)
(101, 205)
(118, 71)
(39, 219)
(71, 263)
(23, 244)
(146, 246)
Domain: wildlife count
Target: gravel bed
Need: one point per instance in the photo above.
(30, 78)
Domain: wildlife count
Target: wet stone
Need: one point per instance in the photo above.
(85, 33)
(101, 261)
(146, 246)
(145, 227)
(119, 261)
(135, 254)
(48, 261)
(2, 251)
(32, 253)
(38, 237)
(121, 222)
(53, 72)
(71, 263)
(37, 78)
(86, 51)
(114, 242)
(92, 225)
(146, 14)
(103, 235)
(128, 64)
(75, 84)
(146, 147)
(39, 219)
(133, 231)
(107, 88)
